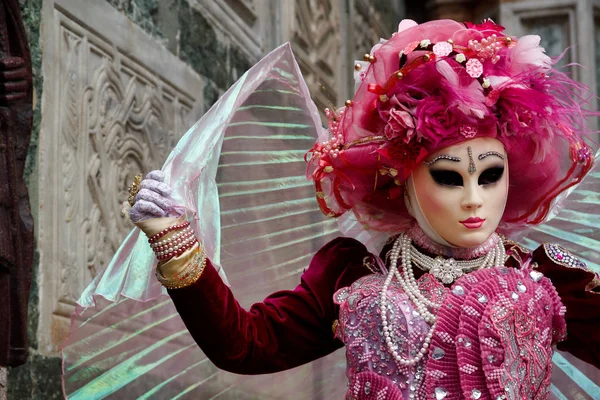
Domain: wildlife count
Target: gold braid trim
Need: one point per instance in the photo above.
(593, 286)
(188, 275)
(335, 325)
(365, 140)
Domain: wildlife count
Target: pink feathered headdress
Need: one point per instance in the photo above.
(440, 83)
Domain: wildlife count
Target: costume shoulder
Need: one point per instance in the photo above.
(567, 271)
(339, 263)
(579, 291)
(517, 255)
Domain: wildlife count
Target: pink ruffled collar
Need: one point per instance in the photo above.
(420, 239)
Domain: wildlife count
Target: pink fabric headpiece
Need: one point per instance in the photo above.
(440, 83)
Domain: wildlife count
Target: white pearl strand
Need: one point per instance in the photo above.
(402, 247)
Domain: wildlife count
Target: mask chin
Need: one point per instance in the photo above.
(414, 209)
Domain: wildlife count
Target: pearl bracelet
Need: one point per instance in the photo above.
(162, 233)
(176, 250)
(178, 237)
(174, 243)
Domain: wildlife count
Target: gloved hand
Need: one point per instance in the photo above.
(154, 211)
(153, 200)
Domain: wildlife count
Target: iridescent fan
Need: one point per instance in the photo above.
(256, 214)
(577, 228)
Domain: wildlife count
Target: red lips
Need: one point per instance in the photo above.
(473, 222)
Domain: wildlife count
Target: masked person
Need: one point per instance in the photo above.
(457, 137)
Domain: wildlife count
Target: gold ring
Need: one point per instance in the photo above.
(134, 189)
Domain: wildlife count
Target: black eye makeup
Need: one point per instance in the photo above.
(446, 177)
(491, 175)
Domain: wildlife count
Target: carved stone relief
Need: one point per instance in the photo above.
(107, 117)
(316, 43)
(367, 28)
(239, 21)
(326, 39)
(365, 37)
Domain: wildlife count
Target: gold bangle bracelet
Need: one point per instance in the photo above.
(188, 275)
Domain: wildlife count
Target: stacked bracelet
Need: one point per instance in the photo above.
(188, 275)
(175, 245)
(176, 250)
(162, 233)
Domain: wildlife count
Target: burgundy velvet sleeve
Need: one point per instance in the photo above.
(579, 291)
(287, 329)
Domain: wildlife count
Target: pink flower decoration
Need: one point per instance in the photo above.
(474, 68)
(435, 121)
(468, 131)
(442, 49)
(406, 24)
(400, 123)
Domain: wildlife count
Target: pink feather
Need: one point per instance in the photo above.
(526, 55)
(468, 98)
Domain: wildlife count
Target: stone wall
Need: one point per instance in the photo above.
(120, 81)
(118, 75)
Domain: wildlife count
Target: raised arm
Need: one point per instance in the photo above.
(287, 329)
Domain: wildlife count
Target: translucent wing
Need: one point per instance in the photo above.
(257, 216)
(577, 228)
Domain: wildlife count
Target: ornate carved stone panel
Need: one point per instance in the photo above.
(115, 102)
(316, 43)
(327, 37)
(367, 28)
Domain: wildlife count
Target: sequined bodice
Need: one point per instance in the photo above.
(361, 330)
(492, 340)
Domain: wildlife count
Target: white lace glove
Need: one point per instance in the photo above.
(153, 200)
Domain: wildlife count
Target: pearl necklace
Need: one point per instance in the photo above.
(448, 270)
(403, 249)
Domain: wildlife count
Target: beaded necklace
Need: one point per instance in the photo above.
(446, 270)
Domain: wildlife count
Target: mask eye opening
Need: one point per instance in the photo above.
(446, 177)
(491, 175)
